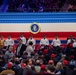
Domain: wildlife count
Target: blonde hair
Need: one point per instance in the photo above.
(59, 66)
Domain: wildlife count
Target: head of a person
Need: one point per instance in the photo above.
(21, 34)
(52, 69)
(23, 65)
(51, 62)
(71, 36)
(1, 36)
(9, 36)
(9, 65)
(44, 36)
(38, 62)
(52, 56)
(59, 66)
(42, 56)
(56, 36)
(31, 36)
(16, 60)
(63, 57)
(10, 48)
(72, 57)
(19, 40)
(29, 62)
(65, 63)
(45, 51)
(43, 67)
(33, 68)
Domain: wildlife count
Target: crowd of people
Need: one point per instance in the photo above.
(38, 5)
(23, 58)
(35, 5)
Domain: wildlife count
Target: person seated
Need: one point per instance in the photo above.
(9, 41)
(2, 41)
(74, 44)
(9, 55)
(70, 40)
(56, 44)
(44, 42)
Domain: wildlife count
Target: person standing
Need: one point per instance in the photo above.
(20, 48)
(28, 70)
(23, 38)
(9, 55)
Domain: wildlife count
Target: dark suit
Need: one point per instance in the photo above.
(27, 71)
(21, 50)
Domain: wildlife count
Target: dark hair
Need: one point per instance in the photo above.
(52, 69)
(30, 43)
(33, 68)
(26, 61)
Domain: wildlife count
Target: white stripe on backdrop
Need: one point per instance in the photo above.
(45, 27)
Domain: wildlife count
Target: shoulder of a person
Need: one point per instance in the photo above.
(12, 72)
(6, 52)
(23, 37)
(58, 39)
(3, 72)
(42, 39)
(6, 40)
(26, 68)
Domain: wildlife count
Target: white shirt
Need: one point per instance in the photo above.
(44, 41)
(9, 42)
(9, 55)
(31, 40)
(74, 44)
(56, 42)
(23, 40)
(29, 50)
(69, 41)
(18, 49)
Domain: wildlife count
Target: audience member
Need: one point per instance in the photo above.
(24, 61)
(44, 42)
(20, 48)
(31, 39)
(9, 41)
(23, 38)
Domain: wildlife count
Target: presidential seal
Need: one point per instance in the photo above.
(34, 28)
